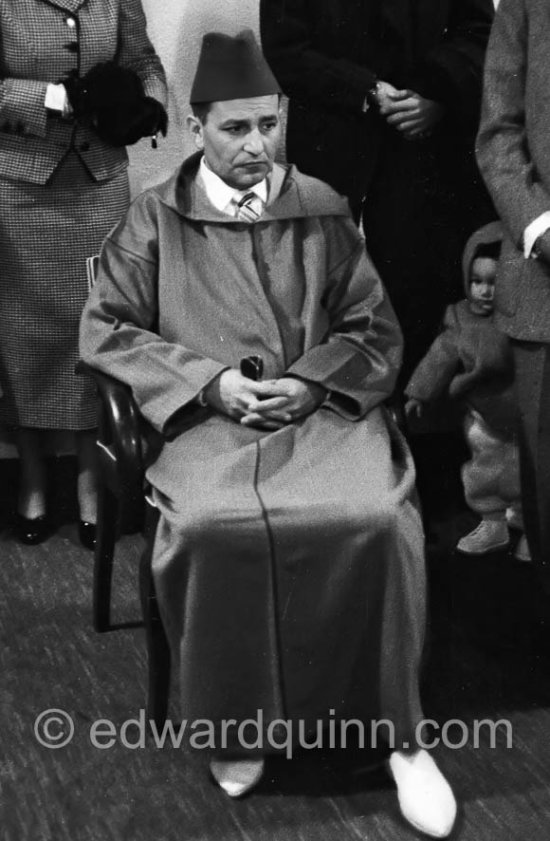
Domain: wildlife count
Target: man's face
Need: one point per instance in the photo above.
(482, 285)
(240, 138)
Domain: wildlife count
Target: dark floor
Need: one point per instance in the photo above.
(487, 657)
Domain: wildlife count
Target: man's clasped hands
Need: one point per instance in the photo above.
(269, 404)
(407, 111)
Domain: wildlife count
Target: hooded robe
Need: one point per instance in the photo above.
(288, 564)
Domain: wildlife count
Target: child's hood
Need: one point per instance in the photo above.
(486, 235)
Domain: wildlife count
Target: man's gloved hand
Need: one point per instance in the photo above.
(111, 100)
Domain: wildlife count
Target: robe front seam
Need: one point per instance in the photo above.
(273, 607)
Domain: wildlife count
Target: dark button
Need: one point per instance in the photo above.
(72, 46)
(84, 147)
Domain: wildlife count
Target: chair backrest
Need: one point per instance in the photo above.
(120, 455)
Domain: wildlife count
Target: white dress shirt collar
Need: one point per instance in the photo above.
(221, 195)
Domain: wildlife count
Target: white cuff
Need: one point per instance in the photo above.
(56, 98)
(533, 231)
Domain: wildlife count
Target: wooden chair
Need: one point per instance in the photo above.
(122, 510)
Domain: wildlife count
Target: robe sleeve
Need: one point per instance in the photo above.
(118, 327)
(359, 359)
(503, 149)
(434, 373)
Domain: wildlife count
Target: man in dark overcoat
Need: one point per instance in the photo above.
(384, 104)
(514, 157)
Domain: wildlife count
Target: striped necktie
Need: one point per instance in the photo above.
(249, 208)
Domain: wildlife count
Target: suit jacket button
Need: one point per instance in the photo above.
(71, 22)
(84, 147)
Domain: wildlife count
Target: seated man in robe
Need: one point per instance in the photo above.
(288, 559)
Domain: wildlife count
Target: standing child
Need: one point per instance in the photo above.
(471, 361)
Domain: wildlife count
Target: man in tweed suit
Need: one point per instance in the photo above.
(514, 157)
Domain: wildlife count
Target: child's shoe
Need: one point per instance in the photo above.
(522, 552)
(489, 536)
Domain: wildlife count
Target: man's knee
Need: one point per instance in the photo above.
(378, 516)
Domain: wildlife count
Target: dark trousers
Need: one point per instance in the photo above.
(532, 369)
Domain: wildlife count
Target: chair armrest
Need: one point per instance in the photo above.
(119, 438)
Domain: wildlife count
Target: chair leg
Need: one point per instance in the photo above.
(158, 649)
(107, 516)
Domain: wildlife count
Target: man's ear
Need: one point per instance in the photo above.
(195, 127)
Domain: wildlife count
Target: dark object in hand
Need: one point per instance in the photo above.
(111, 100)
(252, 367)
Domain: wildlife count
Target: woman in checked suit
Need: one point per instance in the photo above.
(63, 185)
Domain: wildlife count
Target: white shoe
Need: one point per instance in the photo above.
(489, 536)
(237, 776)
(425, 797)
(522, 552)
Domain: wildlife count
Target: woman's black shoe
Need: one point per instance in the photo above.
(87, 534)
(32, 531)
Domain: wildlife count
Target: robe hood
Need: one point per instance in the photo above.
(291, 195)
(486, 235)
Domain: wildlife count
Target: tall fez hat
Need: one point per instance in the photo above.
(231, 68)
